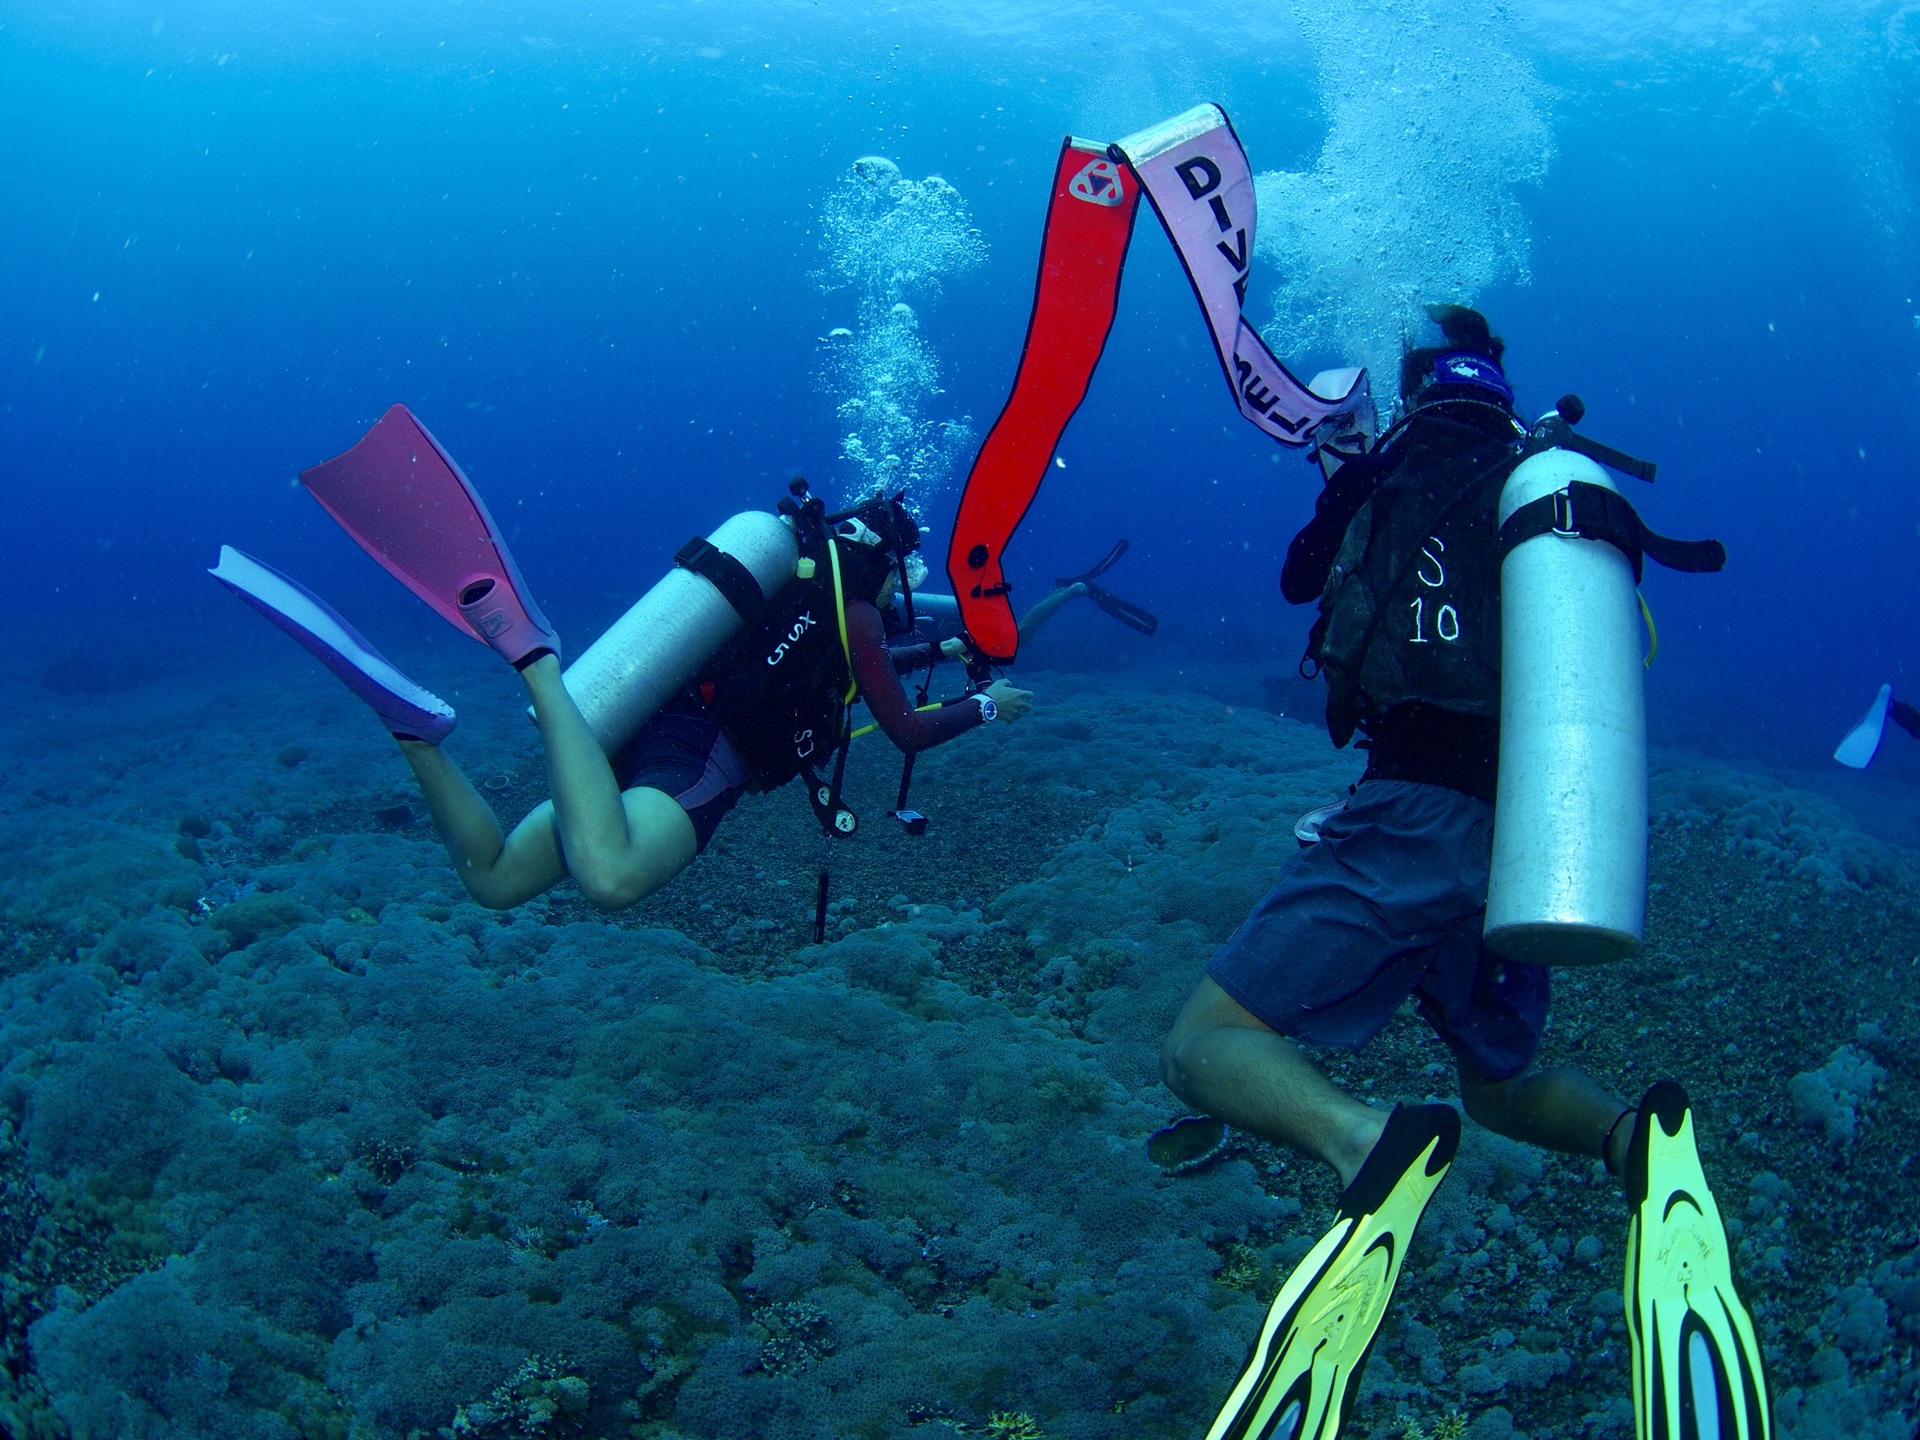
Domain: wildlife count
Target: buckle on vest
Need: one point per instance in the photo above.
(1564, 521)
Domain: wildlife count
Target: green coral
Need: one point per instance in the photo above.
(1243, 1269)
(541, 1399)
(797, 1336)
(1013, 1425)
(1450, 1426)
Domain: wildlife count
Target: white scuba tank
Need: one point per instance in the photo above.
(1569, 880)
(623, 678)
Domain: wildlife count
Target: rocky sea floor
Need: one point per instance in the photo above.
(294, 1141)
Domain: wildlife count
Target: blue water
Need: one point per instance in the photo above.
(585, 247)
(584, 251)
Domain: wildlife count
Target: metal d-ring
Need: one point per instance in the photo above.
(1563, 507)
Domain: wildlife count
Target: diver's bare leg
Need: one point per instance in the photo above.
(499, 871)
(1221, 1060)
(618, 846)
(1044, 608)
(1560, 1109)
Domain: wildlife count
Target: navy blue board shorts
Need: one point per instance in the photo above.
(1388, 905)
(689, 758)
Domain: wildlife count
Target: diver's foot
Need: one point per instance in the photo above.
(1356, 1145)
(509, 622)
(1613, 1150)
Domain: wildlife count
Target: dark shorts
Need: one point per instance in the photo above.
(1387, 905)
(689, 758)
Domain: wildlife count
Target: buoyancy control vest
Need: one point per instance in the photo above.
(1411, 607)
(781, 687)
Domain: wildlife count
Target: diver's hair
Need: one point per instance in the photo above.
(1464, 329)
(864, 570)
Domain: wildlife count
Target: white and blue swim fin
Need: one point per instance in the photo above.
(1858, 748)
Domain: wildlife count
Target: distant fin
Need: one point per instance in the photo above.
(1861, 742)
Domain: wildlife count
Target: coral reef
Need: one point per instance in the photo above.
(1831, 1098)
(298, 1142)
(541, 1399)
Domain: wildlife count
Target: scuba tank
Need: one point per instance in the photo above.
(1569, 879)
(716, 586)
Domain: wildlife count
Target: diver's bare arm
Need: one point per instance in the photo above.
(498, 871)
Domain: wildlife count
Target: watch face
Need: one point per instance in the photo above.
(988, 710)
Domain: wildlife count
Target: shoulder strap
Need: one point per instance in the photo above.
(1593, 512)
(840, 614)
(836, 820)
(727, 575)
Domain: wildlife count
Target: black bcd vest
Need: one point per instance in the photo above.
(1411, 608)
(778, 688)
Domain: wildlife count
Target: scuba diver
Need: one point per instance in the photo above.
(937, 634)
(1862, 742)
(769, 706)
(1385, 903)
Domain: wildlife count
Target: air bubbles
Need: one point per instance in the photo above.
(875, 170)
(1415, 196)
(894, 241)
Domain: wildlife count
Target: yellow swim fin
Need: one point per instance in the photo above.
(1698, 1372)
(1304, 1372)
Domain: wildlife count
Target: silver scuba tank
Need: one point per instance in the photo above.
(623, 678)
(1569, 878)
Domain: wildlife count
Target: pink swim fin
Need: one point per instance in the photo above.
(401, 496)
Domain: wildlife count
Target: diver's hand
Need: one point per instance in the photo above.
(1009, 701)
(954, 648)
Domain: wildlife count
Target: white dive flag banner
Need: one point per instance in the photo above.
(1195, 172)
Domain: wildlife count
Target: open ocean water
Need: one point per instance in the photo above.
(295, 1141)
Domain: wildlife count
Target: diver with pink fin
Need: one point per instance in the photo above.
(735, 673)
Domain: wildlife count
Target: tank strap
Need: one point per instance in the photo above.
(1593, 512)
(727, 575)
(1556, 433)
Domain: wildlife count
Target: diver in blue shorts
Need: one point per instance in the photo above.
(1387, 904)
